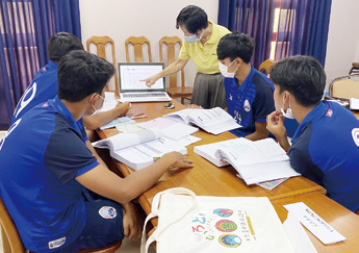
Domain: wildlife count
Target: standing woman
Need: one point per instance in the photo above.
(201, 38)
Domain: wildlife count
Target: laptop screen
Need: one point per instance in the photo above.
(130, 75)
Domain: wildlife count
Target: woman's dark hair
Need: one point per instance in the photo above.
(235, 45)
(303, 76)
(62, 43)
(193, 18)
(81, 73)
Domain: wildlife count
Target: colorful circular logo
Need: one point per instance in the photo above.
(226, 226)
(222, 212)
(230, 240)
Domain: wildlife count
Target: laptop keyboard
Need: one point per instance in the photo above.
(143, 94)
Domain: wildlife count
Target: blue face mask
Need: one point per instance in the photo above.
(193, 38)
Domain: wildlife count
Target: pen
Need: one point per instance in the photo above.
(141, 116)
(250, 226)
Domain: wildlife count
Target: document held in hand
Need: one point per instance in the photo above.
(214, 121)
(255, 161)
(138, 149)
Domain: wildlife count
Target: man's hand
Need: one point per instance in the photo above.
(132, 222)
(150, 80)
(122, 108)
(275, 124)
(178, 160)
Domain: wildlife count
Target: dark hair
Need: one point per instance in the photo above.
(193, 18)
(81, 73)
(235, 45)
(62, 43)
(303, 76)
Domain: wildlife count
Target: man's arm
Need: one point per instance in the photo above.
(99, 119)
(122, 190)
(260, 133)
(174, 67)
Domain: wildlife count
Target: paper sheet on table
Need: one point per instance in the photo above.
(170, 128)
(297, 235)
(128, 128)
(109, 103)
(187, 140)
(118, 122)
(314, 223)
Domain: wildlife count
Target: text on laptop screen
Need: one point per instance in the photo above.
(131, 74)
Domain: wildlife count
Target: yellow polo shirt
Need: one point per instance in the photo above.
(204, 56)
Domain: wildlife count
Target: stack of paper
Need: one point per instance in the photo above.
(254, 161)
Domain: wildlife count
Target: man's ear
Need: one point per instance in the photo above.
(92, 98)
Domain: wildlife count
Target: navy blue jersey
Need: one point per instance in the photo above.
(41, 156)
(250, 102)
(326, 150)
(42, 88)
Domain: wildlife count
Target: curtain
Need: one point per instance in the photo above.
(25, 27)
(303, 28)
(253, 17)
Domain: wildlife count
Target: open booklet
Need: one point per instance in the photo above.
(139, 149)
(215, 120)
(255, 161)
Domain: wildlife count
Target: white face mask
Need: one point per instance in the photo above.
(93, 107)
(288, 114)
(193, 38)
(224, 70)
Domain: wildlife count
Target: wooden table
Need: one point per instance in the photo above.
(340, 218)
(205, 178)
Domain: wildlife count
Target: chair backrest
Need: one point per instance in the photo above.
(171, 43)
(11, 239)
(266, 66)
(137, 43)
(345, 87)
(101, 42)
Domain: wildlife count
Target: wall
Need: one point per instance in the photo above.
(343, 38)
(153, 19)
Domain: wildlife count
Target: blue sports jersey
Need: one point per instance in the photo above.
(42, 88)
(250, 102)
(326, 149)
(41, 156)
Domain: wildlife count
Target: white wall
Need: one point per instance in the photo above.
(120, 19)
(343, 38)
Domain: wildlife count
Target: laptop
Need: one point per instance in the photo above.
(133, 90)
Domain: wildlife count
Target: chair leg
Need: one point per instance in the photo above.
(5, 242)
(182, 100)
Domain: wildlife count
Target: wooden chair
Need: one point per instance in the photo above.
(101, 42)
(266, 66)
(345, 87)
(138, 43)
(183, 92)
(12, 241)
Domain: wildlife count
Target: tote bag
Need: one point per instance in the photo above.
(188, 223)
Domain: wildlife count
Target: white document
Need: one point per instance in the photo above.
(109, 103)
(129, 128)
(187, 140)
(256, 161)
(215, 120)
(314, 223)
(354, 104)
(297, 235)
(125, 140)
(171, 129)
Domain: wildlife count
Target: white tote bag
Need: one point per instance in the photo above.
(188, 223)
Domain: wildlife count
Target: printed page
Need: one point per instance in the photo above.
(125, 140)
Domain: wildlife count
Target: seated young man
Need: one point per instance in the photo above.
(249, 93)
(325, 147)
(44, 85)
(46, 167)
